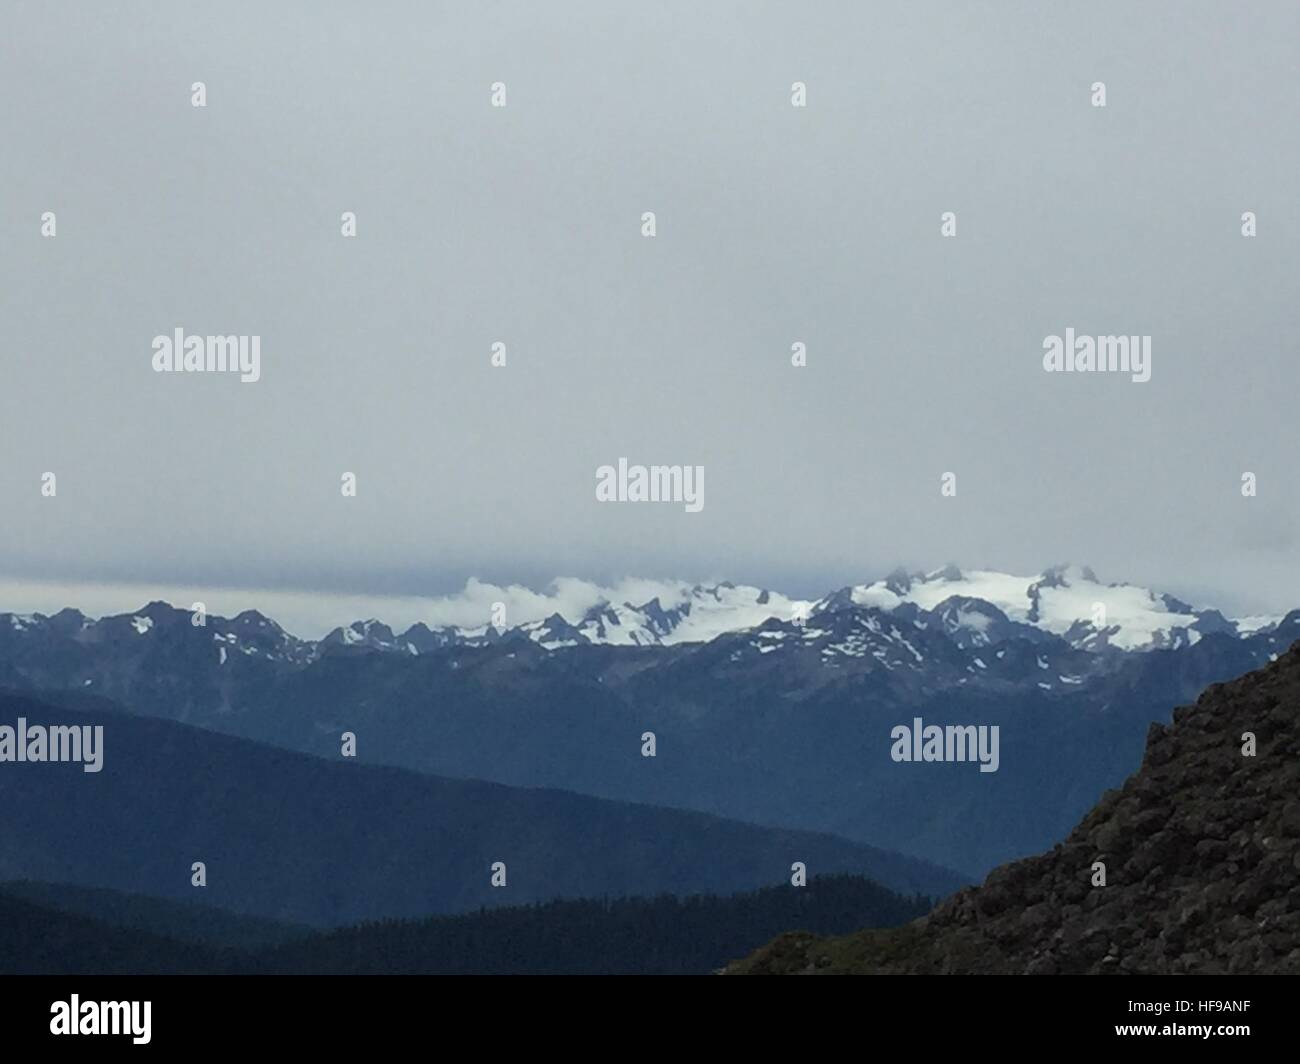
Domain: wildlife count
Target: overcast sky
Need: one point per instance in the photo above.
(522, 224)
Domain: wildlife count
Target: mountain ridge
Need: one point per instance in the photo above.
(1191, 867)
(297, 838)
(785, 724)
(103, 932)
(1063, 600)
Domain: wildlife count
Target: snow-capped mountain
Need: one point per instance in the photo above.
(679, 614)
(973, 609)
(698, 615)
(1068, 601)
(976, 608)
(765, 705)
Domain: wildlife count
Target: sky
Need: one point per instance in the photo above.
(522, 225)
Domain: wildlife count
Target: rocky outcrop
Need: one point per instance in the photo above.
(1200, 851)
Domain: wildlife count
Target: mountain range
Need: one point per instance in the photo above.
(976, 607)
(782, 721)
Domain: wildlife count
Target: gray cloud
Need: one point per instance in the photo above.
(775, 225)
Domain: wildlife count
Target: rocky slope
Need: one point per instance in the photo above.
(1201, 849)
